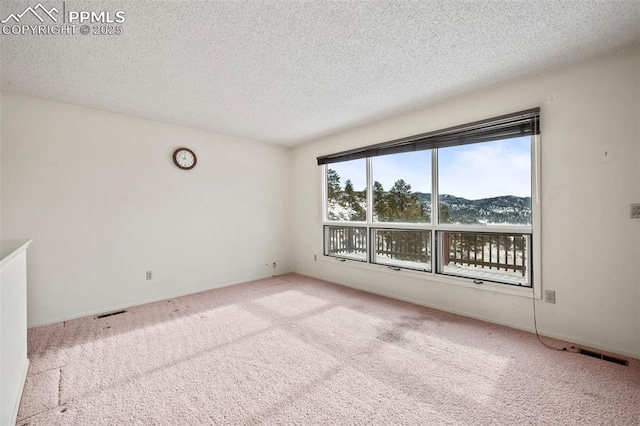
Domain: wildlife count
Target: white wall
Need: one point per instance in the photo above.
(590, 246)
(103, 201)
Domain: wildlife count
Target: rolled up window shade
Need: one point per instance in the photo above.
(514, 125)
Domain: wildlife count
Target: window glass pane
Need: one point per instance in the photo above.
(499, 258)
(347, 191)
(486, 183)
(403, 248)
(347, 242)
(402, 187)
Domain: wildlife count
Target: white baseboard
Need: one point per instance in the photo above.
(529, 329)
(145, 301)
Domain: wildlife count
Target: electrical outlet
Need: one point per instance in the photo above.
(149, 275)
(635, 211)
(550, 296)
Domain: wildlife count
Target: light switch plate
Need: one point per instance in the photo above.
(550, 296)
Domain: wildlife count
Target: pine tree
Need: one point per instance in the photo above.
(380, 208)
(333, 184)
(404, 205)
(352, 201)
(445, 214)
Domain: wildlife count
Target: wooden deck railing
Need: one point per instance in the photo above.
(347, 241)
(492, 251)
(404, 245)
(482, 250)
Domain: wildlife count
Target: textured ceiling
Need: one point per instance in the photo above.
(289, 72)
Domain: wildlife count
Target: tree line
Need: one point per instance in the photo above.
(398, 204)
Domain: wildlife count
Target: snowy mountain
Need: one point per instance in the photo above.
(506, 209)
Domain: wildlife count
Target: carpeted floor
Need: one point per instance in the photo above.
(295, 350)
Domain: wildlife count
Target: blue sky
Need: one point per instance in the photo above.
(471, 171)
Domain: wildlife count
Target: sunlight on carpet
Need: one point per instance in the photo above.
(293, 349)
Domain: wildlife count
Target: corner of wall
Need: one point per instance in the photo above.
(102, 210)
(587, 109)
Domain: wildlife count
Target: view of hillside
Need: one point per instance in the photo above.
(401, 204)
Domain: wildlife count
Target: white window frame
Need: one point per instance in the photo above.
(534, 230)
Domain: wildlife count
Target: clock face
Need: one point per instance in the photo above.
(184, 158)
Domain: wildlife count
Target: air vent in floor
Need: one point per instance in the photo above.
(605, 357)
(110, 314)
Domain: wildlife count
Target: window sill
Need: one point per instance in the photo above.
(437, 278)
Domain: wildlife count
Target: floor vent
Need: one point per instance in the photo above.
(605, 357)
(110, 314)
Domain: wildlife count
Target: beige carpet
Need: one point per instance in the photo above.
(295, 350)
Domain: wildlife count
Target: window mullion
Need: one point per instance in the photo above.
(369, 192)
(369, 217)
(435, 214)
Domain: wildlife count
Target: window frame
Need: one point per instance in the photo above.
(348, 225)
(527, 237)
(435, 274)
(372, 250)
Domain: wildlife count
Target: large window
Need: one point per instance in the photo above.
(457, 202)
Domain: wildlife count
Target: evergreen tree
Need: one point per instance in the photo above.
(380, 208)
(333, 184)
(403, 204)
(352, 201)
(445, 214)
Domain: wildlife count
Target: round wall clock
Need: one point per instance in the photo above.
(184, 158)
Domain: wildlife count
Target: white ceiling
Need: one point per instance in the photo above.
(289, 72)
